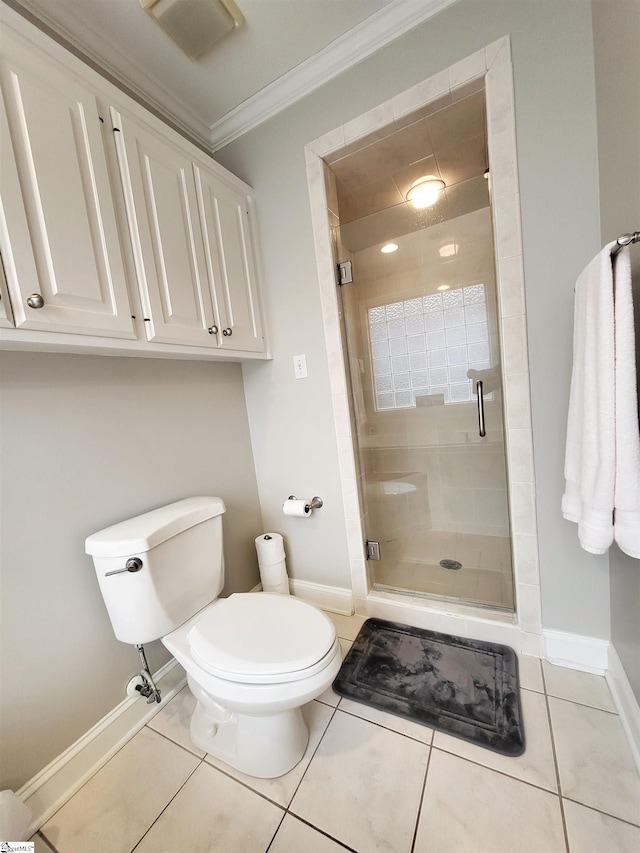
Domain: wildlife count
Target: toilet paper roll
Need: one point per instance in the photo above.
(274, 578)
(298, 507)
(270, 549)
(272, 563)
(279, 589)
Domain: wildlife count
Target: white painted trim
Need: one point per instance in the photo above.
(588, 654)
(334, 598)
(49, 789)
(625, 701)
(381, 28)
(376, 31)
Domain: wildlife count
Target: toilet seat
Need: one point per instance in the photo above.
(256, 638)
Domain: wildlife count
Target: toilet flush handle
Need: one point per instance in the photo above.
(132, 565)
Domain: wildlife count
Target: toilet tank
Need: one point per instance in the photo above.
(180, 548)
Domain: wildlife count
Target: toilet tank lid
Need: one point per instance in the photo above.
(138, 535)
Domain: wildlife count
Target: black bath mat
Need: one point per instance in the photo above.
(465, 688)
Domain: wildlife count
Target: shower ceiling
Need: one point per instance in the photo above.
(447, 139)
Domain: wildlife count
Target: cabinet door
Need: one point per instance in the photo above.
(6, 314)
(162, 209)
(58, 228)
(230, 256)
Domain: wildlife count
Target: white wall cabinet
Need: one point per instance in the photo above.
(192, 242)
(162, 212)
(116, 233)
(60, 246)
(225, 214)
(6, 314)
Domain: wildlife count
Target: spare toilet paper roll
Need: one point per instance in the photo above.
(274, 578)
(270, 549)
(298, 507)
(272, 564)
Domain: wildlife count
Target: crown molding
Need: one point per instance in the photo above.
(383, 27)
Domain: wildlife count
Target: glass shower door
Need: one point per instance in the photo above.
(422, 331)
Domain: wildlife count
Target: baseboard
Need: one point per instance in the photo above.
(49, 789)
(334, 598)
(588, 654)
(625, 701)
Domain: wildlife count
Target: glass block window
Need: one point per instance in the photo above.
(425, 346)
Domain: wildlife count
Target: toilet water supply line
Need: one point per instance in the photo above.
(148, 688)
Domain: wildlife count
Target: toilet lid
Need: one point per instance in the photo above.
(261, 637)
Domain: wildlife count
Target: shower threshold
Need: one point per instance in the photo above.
(445, 599)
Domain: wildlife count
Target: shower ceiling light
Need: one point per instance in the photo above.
(425, 191)
(448, 250)
(389, 247)
(444, 287)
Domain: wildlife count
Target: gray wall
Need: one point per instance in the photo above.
(556, 135)
(616, 30)
(88, 441)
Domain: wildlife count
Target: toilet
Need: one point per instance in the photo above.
(252, 659)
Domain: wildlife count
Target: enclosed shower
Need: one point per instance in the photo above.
(420, 323)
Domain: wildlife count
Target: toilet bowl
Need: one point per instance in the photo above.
(252, 659)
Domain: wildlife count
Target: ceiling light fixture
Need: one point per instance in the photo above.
(444, 287)
(389, 247)
(448, 250)
(425, 191)
(195, 25)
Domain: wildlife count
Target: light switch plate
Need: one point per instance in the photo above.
(300, 366)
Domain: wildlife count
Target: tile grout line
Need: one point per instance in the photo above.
(273, 838)
(49, 844)
(175, 743)
(605, 814)
(153, 823)
(493, 770)
(388, 728)
(582, 704)
(555, 762)
(422, 793)
(93, 775)
(321, 831)
(326, 728)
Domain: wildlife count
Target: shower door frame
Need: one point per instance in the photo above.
(493, 63)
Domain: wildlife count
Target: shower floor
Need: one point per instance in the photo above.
(412, 565)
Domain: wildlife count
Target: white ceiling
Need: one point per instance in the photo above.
(285, 49)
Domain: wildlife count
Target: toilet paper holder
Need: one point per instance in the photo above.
(316, 502)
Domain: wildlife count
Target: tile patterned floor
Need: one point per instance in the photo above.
(373, 782)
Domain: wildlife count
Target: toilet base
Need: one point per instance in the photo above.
(265, 747)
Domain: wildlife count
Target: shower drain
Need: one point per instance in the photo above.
(450, 564)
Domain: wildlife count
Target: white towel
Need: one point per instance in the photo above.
(602, 461)
(590, 461)
(626, 526)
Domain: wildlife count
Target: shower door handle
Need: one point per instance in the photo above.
(481, 430)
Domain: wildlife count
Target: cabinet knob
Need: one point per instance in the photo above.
(213, 330)
(35, 301)
(227, 332)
